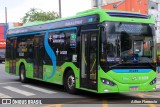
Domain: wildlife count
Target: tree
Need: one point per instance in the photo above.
(39, 15)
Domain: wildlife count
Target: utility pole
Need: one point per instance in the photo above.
(60, 9)
(6, 20)
(99, 3)
(6, 14)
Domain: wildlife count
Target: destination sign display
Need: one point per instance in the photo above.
(131, 28)
(58, 24)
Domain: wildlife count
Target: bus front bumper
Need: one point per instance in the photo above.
(118, 87)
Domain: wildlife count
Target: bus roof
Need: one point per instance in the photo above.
(88, 16)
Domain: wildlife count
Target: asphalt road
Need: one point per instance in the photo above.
(11, 88)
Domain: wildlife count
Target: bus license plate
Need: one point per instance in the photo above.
(133, 88)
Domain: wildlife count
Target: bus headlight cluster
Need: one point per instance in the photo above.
(153, 81)
(107, 82)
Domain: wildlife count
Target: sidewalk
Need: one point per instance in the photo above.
(158, 82)
(158, 76)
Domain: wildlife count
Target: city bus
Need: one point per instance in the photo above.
(101, 51)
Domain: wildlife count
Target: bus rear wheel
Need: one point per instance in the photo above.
(69, 83)
(22, 74)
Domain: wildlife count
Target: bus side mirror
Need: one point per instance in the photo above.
(151, 43)
(103, 32)
(118, 44)
(100, 25)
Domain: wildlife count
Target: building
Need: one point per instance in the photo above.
(3, 30)
(4, 27)
(151, 7)
(14, 24)
(127, 5)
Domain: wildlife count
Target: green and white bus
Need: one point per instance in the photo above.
(96, 50)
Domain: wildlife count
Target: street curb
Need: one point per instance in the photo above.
(157, 90)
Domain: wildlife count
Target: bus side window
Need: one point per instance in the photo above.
(63, 44)
(22, 47)
(8, 46)
(30, 49)
(70, 44)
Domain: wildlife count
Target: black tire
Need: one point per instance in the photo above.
(69, 83)
(22, 74)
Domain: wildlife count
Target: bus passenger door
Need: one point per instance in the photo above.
(38, 56)
(12, 62)
(89, 55)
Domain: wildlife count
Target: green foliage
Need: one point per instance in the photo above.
(39, 15)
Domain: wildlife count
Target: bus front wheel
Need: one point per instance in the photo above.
(23, 74)
(69, 82)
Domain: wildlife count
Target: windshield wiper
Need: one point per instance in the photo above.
(114, 65)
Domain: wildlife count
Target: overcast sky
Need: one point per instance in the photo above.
(16, 9)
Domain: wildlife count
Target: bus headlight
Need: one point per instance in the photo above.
(153, 81)
(107, 82)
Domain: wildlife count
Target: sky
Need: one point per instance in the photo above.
(16, 9)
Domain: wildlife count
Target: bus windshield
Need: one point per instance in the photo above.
(127, 44)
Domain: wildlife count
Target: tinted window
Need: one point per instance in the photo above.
(63, 44)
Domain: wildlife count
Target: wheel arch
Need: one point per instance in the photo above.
(66, 67)
(22, 63)
(66, 71)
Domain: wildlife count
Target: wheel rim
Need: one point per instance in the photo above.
(22, 74)
(71, 81)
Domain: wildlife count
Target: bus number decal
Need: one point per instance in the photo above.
(21, 54)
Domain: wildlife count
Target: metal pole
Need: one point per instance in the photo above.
(99, 2)
(6, 21)
(60, 9)
(6, 14)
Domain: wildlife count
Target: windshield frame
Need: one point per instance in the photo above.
(109, 65)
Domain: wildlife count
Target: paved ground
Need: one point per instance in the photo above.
(11, 87)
